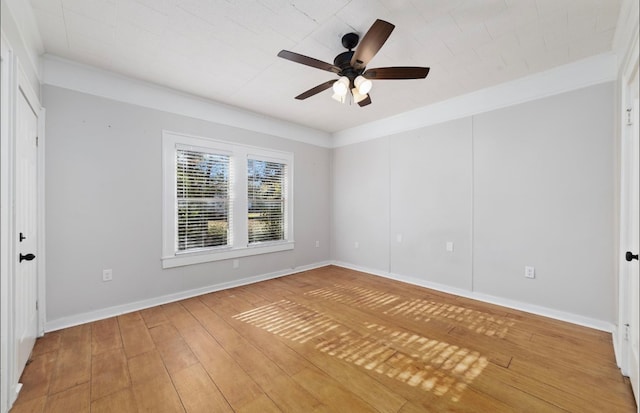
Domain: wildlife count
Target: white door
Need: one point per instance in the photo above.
(629, 315)
(634, 246)
(25, 230)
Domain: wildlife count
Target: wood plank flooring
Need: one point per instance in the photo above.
(326, 340)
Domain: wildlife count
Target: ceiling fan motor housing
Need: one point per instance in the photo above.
(343, 61)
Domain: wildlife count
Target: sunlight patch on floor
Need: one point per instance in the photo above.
(418, 361)
(289, 320)
(490, 325)
(356, 296)
(476, 321)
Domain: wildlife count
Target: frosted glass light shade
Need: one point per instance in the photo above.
(341, 86)
(357, 96)
(339, 98)
(363, 85)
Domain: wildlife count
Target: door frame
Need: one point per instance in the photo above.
(7, 116)
(622, 344)
(15, 81)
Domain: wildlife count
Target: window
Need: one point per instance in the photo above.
(266, 190)
(202, 196)
(223, 200)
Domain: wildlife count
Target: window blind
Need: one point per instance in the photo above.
(203, 202)
(266, 200)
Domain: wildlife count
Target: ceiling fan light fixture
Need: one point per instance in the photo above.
(339, 98)
(363, 84)
(341, 86)
(357, 96)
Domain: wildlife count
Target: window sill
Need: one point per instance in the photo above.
(226, 254)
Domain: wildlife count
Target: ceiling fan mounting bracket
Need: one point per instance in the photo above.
(350, 40)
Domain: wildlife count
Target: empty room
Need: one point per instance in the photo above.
(388, 206)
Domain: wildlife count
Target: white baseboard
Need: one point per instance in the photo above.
(78, 319)
(504, 302)
(74, 320)
(616, 346)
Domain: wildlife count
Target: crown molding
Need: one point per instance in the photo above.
(87, 79)
(98, 82)
(594, 70)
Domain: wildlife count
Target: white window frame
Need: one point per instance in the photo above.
(238, 228)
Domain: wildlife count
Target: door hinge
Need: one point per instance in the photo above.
(627, 331)
(36, 305)
(630, 116)
(36, 141)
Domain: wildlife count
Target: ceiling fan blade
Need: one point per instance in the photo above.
(366, 101)
(308, 61)
(371, 43)
(400, 72)
(315, 90)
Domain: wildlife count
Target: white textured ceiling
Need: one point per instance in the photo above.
(225, 50)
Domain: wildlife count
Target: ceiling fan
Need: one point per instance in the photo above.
(351, 66)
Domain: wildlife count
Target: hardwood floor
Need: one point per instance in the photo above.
(327, 340)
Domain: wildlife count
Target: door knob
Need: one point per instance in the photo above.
(27, 257)
(629, 256)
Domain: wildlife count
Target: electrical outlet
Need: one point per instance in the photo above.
(236, 263)
(317, 244)
(530, 272)
(449, 246)
(107, 275)
(399, 237)
(356, 245)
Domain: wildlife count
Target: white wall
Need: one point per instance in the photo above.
(430, 198)
(103, 194)
(531, 184)
(544, 196)
(361, 209)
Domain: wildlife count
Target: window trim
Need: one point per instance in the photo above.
(239, 154)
